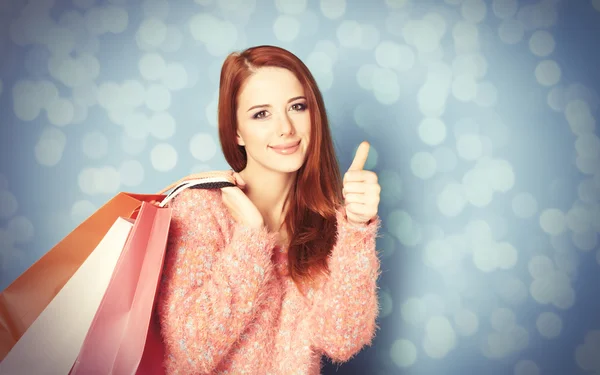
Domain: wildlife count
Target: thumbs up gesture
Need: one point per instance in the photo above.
(361, 189)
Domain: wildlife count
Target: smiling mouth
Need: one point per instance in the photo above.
(286, 146)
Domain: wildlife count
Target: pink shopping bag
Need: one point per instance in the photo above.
(117, 337)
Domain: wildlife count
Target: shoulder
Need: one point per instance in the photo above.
(197, 202)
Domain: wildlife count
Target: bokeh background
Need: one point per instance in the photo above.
(481, 116)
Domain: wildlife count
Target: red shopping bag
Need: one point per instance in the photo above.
(118, 335)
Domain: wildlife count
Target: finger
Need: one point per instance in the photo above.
(239, 180)
(369, 177)
(361, 157)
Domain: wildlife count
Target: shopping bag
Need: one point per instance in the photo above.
(54, 339)
(117, 337)
(152, 362)
(26, 297)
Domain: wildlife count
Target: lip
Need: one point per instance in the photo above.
(286, 145)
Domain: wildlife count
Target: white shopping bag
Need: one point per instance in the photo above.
(52, 343)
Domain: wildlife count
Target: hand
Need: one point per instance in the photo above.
(361, 189)
(240, 206)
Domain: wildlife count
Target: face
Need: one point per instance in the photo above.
(273, 120)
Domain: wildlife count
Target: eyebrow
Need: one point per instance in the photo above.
(267, 105)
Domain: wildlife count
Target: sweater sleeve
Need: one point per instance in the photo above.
(211, 285)
(345, 307)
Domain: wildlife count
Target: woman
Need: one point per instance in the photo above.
(268, 276)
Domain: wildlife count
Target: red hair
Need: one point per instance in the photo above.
(310, 220)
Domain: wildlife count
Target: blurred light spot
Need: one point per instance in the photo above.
(438, 22)
(504, 9)
(132, 146)
(403, 353)
(432, 131)
(385, 86)
(580, 118)
(403, 227)
(370, 37)
(507, 255)
(503, 319)
(329, 48)
(486, 95)
(472, 64)
(386, 304)
(477, 189)
(292, 7)
(136, 125)
(511, 290)
(131, 173)
(511, 31)
(60, 112)
(163, 157)
(158, 98)
(541, 43)
(440, 337)
(549, 325)
(548, 73)
(540, 266)
(413, 311)
(115, 19)
(422, 35)
(175, 77)
(445, 158)
(586, 354)
(95, 145)
(588, 192)
(466, 322)
(152, 32)
(387, 245)
(526, 367)
(349, 34)
(162, 125)
(152, 66)
(464, 88)
(452, 200)
(50, 146)
(469, 147)
(423, 165)
(466, 37)
(286, 28)
(596, 4)
(81, 210)
(524, 205)
(396, 4)
(579, 219)
(173, 40)
(158, 9)
(473, 10)
(25, 106)
(21, 229)
(586, 241)
(84, 4)
(333, 9)
(319, 62)
(203, 147)
(553, 221)
(8, 204)
(588, 146)
(391, 186)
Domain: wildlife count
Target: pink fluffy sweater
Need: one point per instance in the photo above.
(227, 305)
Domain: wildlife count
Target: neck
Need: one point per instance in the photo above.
(268, 190)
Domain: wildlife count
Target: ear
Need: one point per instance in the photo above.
(240, 140)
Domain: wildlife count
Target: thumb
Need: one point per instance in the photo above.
(361, 157)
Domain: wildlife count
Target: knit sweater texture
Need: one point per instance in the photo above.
(227, 305)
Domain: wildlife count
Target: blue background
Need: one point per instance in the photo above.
(482, 116)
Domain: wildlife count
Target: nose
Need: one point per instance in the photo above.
(285, 125)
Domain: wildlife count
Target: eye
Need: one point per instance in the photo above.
(299, 107)
(260, 115)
